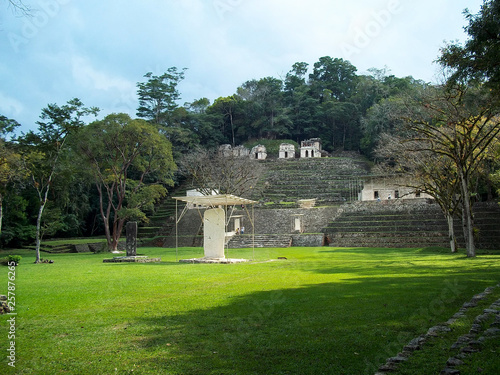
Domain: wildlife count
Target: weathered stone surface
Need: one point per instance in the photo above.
(468, 305)
(450, 371)
(136, 259)
(214, 260)
(492, 332)
(491, 311)
(436, 330)
(469, 349)
(4, 306)
(131, 243)
(468, 344)
(82, 248)
(454, 362)
(475, 328)
(389, 366)
(481, 318)
(398, 359)
(480, 296)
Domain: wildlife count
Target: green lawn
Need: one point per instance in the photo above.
(321, 311)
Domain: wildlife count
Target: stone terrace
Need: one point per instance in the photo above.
(328, 180)
(404, 223)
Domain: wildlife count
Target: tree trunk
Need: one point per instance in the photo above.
(117, 232)
(232, 127)
(468, 222)
(107, 232)
(451, 232)
(38, 231)
(105, 215)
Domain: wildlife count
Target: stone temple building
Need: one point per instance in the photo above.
(259, 152)
(383, 188)
(310, 148)
(287, 151)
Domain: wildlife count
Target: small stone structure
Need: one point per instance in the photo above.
(287, 151)
(259, 152)
(383, 188)
(226, 150)
(241, 151)
(306, 203)
(310, 148)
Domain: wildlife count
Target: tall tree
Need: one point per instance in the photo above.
(131, 163)
(42, 151)
(10, 160)
(460, 124)
(224, 111)
(477, 60)
(422, 171)
(158, 96)
(204, 124)
(266, 115)
(338, 76)
(295, 78)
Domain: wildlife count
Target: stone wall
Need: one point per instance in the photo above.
(308, 240)
(281, 221)
(407, 223)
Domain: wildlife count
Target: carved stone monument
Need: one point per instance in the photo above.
(214, 233)
(131, 248)
(131, 244)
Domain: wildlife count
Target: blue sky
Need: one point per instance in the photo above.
(97, 50)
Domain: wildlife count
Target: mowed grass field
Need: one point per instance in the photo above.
(319, 311)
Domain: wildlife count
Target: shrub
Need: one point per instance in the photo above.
(11, 258)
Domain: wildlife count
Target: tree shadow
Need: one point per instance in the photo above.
(347, 327)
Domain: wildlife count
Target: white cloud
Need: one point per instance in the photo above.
(97, 50)
(88, 76)
(9, 106)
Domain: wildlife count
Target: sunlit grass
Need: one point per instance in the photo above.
(320, 311)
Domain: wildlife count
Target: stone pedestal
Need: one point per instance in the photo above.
(131, 244)
(214, 222)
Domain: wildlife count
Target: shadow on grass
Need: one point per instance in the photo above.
(332, 328)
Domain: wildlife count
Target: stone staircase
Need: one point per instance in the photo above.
(162, 220)
(261, 240)
(405, 223)
(328, 180)
(487, 223)
(54, 249)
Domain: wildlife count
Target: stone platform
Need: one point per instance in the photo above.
(214, 260)
(132, 259)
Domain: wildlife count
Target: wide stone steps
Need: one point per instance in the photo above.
(378, 239)
(261, 240)
(325, 179)
(162, 220)
(409, 224)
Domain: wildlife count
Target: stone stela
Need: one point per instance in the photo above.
(131, 248)
(131, 244)
(214, 223)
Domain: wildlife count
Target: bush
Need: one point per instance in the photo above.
(11, 258)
